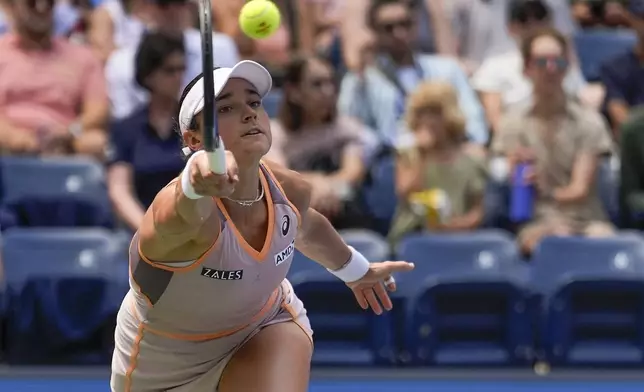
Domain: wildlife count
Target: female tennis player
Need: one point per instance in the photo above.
(209, 307)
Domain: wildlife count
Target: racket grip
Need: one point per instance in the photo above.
(217, 160)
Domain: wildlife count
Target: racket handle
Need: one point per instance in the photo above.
(217, 160)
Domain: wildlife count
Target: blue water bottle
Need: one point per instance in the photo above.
(521, 195)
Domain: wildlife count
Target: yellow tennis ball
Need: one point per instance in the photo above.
(259, 18)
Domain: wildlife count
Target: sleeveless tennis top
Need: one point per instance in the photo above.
(231, 286)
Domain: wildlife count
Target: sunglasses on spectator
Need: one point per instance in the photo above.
(390, 27)
(558, 62)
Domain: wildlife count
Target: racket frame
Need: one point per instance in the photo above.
(211, 140)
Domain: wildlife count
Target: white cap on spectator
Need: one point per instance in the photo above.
(252, 72)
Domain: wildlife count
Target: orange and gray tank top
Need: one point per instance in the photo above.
(229, 287)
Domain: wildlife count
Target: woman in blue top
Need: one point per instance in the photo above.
(143, 155)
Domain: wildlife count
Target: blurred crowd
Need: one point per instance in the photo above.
(455, 93)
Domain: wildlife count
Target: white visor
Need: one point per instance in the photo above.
(250, 71)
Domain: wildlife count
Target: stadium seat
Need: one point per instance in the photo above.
(373, 246)
(465, 303)
(380, 192)
(55, 192)
(3, 306)
(592, 300)
(3, 323)
(594, 47)
(272, 102)
(345, 335)
(7, 218)
(63, 295)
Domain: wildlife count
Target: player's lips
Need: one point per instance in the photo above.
(253, 131)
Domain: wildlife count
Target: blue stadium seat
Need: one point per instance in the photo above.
(465, 303)
(7, 217)
(380, 192)
(594, 47)
(344, 334)
(63, 294)
(3, 307)
(272, 102)
(56, 192)
(3, 323)
(373, 246)
(593, 300)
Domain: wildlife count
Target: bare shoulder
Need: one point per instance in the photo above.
(163, 230)
(297, 189)
(149, 236)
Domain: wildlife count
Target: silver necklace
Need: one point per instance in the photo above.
(248, 203)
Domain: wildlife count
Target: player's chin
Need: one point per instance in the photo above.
(256, 144)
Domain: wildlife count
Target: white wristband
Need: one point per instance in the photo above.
(354, 269)
(186, 186)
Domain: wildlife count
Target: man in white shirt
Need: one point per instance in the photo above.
(500, 80)
(126, 96)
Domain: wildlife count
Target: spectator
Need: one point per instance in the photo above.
(330, 150)
(296, 33)
(631, 187)
(622, 75)
(143, 156)
(377, 94)
(126, 96)
(116, 24)
(66, 16)
(596, 13)
(501, 81)
(439, 181)
(562, 142)
(480, 26)
(52, 93)
(433, 36)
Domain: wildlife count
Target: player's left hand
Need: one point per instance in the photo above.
(371, 290)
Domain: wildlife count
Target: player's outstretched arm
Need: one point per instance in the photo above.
(319, 241)
(181, 208)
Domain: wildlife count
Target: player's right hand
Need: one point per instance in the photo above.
(207, 183)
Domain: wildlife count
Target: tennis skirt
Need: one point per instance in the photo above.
(148, 362)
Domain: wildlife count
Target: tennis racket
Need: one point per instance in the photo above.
(212, 142)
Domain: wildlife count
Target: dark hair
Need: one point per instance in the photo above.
(376, 5)
(290, 114)
(524, 11)
(526, 44)
(154, 49)
(186, 90)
